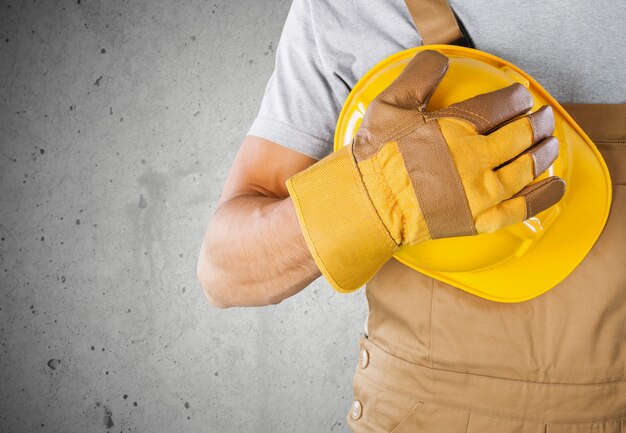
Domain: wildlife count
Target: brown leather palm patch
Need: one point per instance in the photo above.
(436, 182)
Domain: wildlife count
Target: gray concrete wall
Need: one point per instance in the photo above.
(119, 121)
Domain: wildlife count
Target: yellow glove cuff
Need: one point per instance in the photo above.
(342, 229)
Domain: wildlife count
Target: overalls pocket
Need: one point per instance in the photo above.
(427, 417)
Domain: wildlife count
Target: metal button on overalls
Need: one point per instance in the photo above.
(356, 410)
(364, 358)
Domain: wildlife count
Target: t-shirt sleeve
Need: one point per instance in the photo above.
(299, 109)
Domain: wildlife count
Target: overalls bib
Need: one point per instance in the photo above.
(438, 359)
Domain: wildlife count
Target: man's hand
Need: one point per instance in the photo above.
(411, 175)
(253, 252)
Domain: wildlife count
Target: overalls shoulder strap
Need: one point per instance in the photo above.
(436, 22)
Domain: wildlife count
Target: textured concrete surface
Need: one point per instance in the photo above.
(119, 121)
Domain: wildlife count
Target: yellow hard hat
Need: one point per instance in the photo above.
(524, 260)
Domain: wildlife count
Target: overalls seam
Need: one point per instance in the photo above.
(472, 410)
(508, 379)
(432, 321)
(524, 419)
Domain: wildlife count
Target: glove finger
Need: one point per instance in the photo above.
(417, 82)
(487, 111)
(541, 195)
(514, 138)
(527, 203)
(527, 167)
(503, 214)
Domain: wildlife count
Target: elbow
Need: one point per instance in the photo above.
(273, 299)
(222, 291)
(215, 294)
(211, 287)
(214, 299)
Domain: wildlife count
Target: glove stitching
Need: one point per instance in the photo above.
(459, 184)
(453, 116)
(478, 116)
(423, 119)
(471, 119)
(391, 199)
(465, 117)
(460, 187)
(382, 228)
(397, 133)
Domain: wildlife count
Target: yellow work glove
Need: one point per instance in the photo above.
(410, 175)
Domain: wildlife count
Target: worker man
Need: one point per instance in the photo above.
(434, 358)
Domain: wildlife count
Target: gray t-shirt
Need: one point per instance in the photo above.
(575, 49)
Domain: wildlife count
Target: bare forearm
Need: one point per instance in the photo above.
(254, 254)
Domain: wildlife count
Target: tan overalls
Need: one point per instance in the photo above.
(438, 359)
